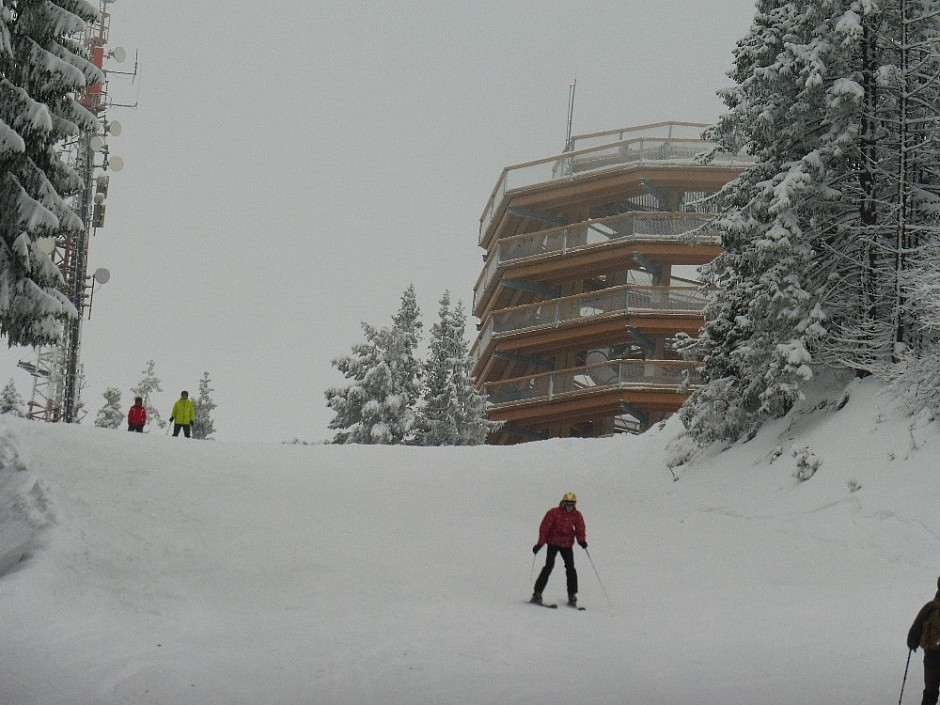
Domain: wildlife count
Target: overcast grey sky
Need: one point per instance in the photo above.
(293, 166)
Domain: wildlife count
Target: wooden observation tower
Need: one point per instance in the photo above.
(590, 271)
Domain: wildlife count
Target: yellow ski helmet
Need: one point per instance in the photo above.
(569, 497)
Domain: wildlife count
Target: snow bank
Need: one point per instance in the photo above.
(25, 511)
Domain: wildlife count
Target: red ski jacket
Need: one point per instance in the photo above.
(137, 416)
(562, 528)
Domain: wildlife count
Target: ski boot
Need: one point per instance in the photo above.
(572, 600)
(536, 598)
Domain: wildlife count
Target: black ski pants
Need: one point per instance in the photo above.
(178, 426)
(931, 677)
(567, 555)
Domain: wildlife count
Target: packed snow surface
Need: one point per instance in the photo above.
(147, 570)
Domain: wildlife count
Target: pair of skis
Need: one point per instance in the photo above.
(554, 606)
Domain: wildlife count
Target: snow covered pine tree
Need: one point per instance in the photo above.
(837, 102)
(10, 400)
(379, 406)
(203, 427)
(452, 410)
(110, 415)
(148, 384)
(41, 67)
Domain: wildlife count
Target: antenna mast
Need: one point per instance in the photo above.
(571, 88)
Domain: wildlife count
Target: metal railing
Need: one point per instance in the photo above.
(616, 374)
(691, 228)
(606, 302)
(685, 227)
(633, 153)
(662, 130)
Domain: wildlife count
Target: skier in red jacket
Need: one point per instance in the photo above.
(561, 527)
(137, 416)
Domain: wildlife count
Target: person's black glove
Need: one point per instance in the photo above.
(171, 419)
(583, 544)
(536, 548)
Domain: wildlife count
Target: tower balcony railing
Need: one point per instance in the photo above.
(658, 130)
(633, 152)
(614, 301)
(666, 375)
(680, 227)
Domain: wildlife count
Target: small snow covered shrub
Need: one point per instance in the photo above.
(806, 464)
(714, 413)
(680, 451)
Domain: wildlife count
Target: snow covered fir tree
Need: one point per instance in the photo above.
(830, 240)
(148, 385)
(110, 415)
(452, 410)
(42, 67)
(10, 400)
(395, 398)
(379, 405)
(203, 426)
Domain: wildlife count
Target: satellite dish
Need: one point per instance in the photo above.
(99, 198)
(114, 127)
(115, 163)
(102, 275)
(118, 54)
(96, 143)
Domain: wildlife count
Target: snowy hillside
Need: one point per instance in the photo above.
(145, 570)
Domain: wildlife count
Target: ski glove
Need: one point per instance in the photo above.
(536, 548)
(583, 544)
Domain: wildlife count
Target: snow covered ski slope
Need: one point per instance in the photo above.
(146, 570)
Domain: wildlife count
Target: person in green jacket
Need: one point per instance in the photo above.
(184, 413)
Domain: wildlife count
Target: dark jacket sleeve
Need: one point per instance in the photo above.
(913, 634)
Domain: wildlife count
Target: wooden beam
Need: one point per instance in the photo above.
(530, 360)
(530, 214)
(549, 292)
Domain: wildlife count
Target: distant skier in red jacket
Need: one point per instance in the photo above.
(561, 527)
(137, 416)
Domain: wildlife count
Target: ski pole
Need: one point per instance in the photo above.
(532, 569)
(600, 582)
(909, 652)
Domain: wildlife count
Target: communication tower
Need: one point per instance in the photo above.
(56, 369)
